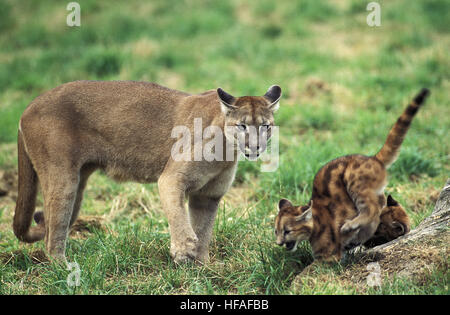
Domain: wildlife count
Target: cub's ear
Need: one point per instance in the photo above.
(391, 202)
(306, 215)
(226, 101)
(283, 203)
(398, 228)
(273, 95)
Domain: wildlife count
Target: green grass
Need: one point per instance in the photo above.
(344, 85)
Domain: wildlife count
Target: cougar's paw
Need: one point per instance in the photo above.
(202, 257)
(58, 258)
(182, 258)
(185, 252)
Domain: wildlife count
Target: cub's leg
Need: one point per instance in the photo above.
(183, 241)
(59, 189)
(202, 211)
(363, 226)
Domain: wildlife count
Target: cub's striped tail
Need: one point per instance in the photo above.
(391, 148)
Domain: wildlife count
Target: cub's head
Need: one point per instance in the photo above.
(249, 119)
(394, 222)
(293, 224)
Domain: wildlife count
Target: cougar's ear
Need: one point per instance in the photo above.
(306, 215)
(226, 101)
(391, 202)
(273, 95)
(283, 203)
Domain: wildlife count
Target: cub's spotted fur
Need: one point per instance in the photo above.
(295, 224)
(348, 202)
(394, 222)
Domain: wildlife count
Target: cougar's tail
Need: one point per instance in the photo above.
(26, 199)
(391, 148)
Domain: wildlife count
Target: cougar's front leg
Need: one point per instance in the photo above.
(202, 211)
(203, 206)
(183, 241)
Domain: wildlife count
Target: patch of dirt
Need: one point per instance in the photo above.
(240, 196)
(315, 91)
(85, 225)
(8, 197)
(8, 183)
(316, 86)
(37, 257)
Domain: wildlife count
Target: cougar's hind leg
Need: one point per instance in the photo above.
(85, 172)
(59, 189)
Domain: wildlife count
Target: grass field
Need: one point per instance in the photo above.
(344, 85)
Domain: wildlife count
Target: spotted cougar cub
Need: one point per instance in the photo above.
(348, 202)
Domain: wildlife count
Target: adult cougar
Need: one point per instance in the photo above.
(124, 128)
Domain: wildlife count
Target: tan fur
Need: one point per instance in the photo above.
(124, 128)
(348, 198)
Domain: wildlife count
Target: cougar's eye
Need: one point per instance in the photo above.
(286, 232)
(241, 127)
(265, 127)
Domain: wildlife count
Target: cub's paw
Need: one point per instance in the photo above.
(352, 244)
(350, 227)
(350, 231)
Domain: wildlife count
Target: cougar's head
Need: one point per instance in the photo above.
(249, 119)
(293, 224)
(394, 222)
